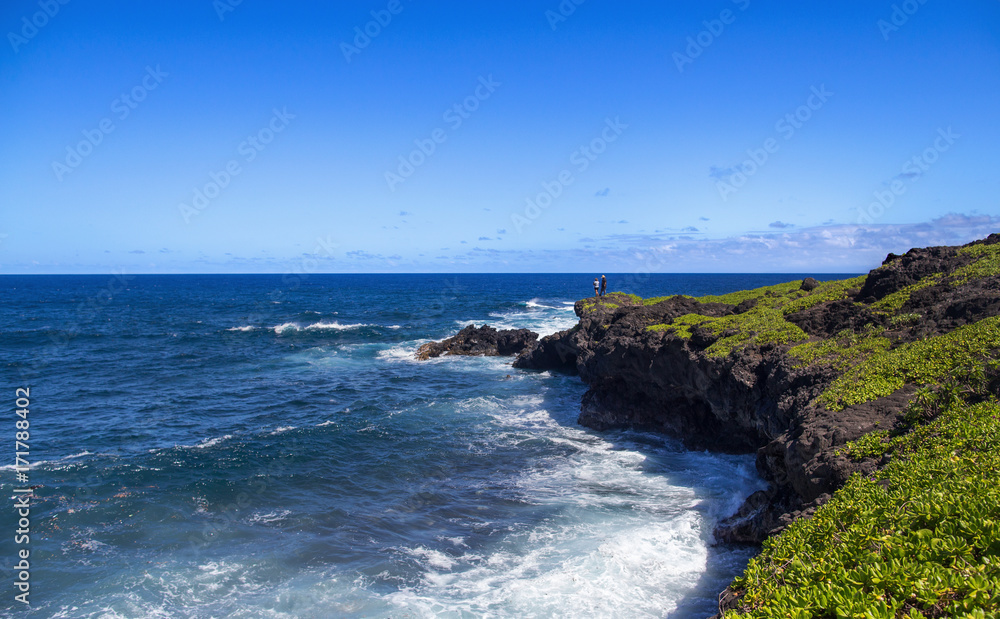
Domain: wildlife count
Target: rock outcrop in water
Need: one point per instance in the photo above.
(760, 371)
(480, 341)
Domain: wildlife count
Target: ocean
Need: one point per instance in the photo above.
(267, 446)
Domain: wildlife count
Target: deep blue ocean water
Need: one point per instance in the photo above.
(266, 446)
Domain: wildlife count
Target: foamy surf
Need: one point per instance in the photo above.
(208, 442)
(270, 469)
(48, 463)
(337, 326)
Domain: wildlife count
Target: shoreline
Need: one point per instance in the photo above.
(819, 379)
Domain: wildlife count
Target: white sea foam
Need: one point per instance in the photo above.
(318, 326)
(268, 517)
(404, 352)
(630, 527)
(540, 318)
(282, 429)
(336, 326)
(55, 463)
(433, 558)
(536, 303)
(244, 328)
(566, 568)
(208, 442)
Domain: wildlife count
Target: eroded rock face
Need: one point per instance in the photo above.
(480, 341)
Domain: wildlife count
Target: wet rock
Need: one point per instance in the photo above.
(480, 341)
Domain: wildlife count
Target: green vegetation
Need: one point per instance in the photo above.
(756, 326)
(636, 298)
(612, 300)
(919, 363)
(827, 291)
(655, 300)
(766, 294)
(870, 445)
(764, 323)
(988, 263)
(842, 350)
(681, 326)
(902, 320)
(921, 538)
(892, 303)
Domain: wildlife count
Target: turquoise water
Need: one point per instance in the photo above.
(259, 446)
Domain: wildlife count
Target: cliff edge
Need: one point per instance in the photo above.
(791, 372)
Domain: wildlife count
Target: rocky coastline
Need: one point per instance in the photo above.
(768, 371)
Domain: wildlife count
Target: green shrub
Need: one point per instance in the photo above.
(890, 304)
(919, 539)
(827, 291)
(768, 295)
(919, 363)
(901, 320)
(681, 326)
(760, 325)
(987, 265)
(871, 445)
(655, 300)
(842, 350)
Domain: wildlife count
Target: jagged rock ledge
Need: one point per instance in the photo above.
(480, 341)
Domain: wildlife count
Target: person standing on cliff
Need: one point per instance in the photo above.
(604, 285)
(595, 286)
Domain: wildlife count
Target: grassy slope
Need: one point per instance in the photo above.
(921, 537)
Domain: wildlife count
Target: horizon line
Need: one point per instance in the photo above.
(288, 273)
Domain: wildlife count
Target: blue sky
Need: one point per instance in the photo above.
(723, 135)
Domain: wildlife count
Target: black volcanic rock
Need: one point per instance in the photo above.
(809, 284)
(898, 272)
(484, 341)
(828, 319)
(553, 352)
